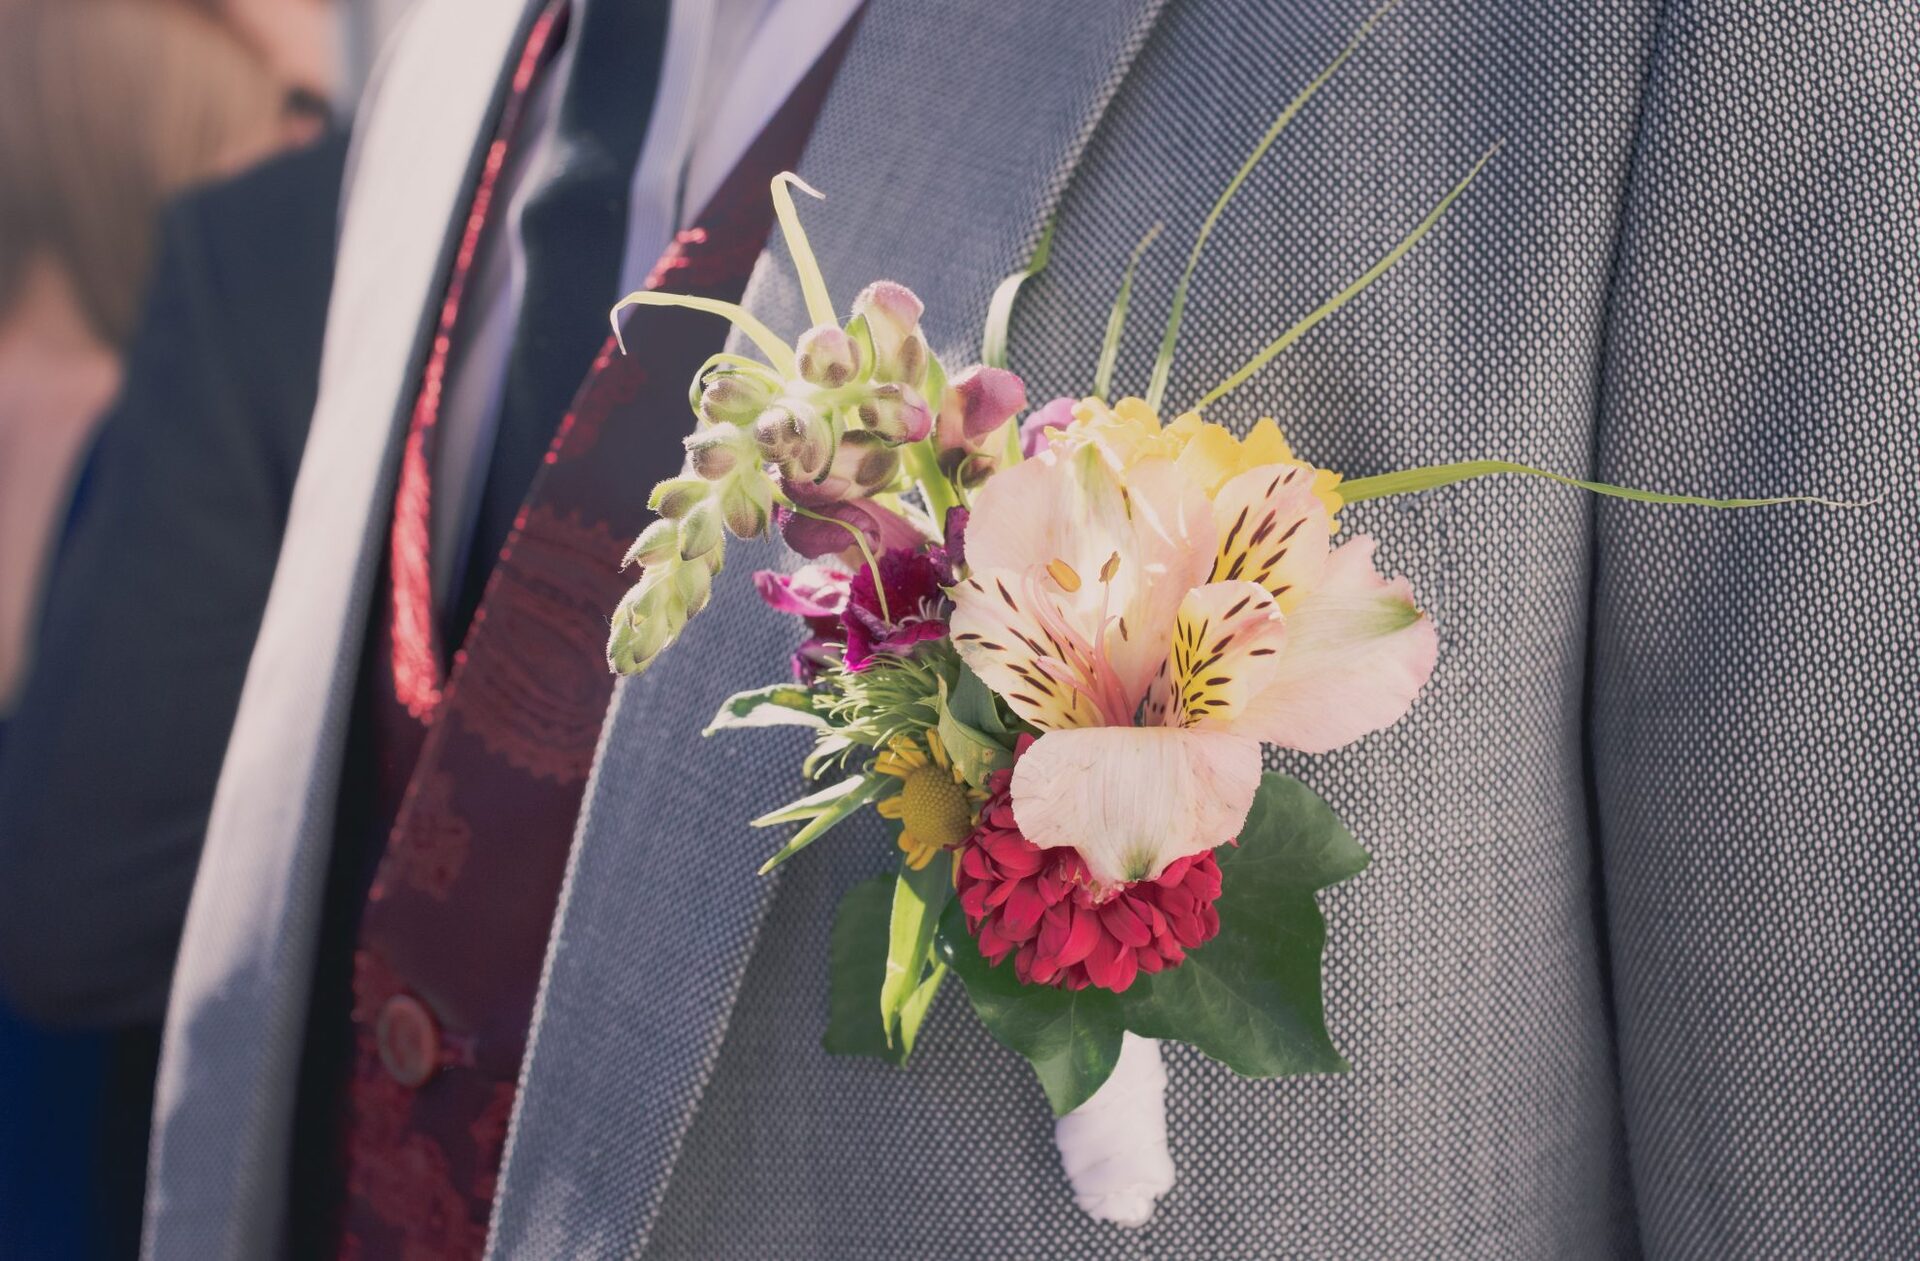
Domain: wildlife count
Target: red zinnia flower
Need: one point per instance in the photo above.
(1041, 906)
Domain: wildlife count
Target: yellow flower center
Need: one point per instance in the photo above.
(934, 809)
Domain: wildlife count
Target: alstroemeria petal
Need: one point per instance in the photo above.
(1227, 642)
(1132, 800)
(1357, 651)
(1273, 530)
(1006, 626)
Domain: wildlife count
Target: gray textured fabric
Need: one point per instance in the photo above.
(1756, 722)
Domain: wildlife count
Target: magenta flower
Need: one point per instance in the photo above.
(817, 595)
(915, 608)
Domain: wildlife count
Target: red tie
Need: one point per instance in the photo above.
(495, 752)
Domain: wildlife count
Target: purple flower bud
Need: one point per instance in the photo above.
(863, 464)
(827, 356)
(968, 469)
(814, 538)
(893, 315)
(1033, 430)
(977, 403)
(897, 413)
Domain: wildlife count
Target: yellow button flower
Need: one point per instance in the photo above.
(935, 806)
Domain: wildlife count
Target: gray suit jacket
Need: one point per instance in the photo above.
(1634, 969)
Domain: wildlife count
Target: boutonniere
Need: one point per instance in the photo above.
(1048, 647)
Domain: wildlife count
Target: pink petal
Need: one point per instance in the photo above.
(1131, 800)
(1358, 650)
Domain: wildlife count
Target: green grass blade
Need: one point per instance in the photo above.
(1117, 319)
(1352, 291)
(993, 338)
(812, 284)
(778, 353)
(829, 818)
(1412, 481)
(1163, 364)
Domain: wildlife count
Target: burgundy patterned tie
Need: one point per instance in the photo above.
(454, 931)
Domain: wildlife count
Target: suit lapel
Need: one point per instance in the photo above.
(237, 1017)
(661, 906)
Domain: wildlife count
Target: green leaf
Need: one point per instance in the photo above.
(1410, 481)
(1072, 1037)
(1250, 998)
(993, 338)
(971, 729)
(857, 957)
(778, 353)
(782, 705)
(1117, 318)
(918, 898)
(1352, 291)
(1163, 362)
(826, 809)
(915, 1012)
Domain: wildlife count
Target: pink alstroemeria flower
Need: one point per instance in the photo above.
(1158, 639)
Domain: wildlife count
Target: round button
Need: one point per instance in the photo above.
(409, 1040)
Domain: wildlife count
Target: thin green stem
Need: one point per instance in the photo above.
(1353, 290)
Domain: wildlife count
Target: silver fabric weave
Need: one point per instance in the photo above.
(1756, 678)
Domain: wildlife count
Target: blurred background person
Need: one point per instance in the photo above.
(108, 108)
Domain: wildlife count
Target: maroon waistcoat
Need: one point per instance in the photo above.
(483, 763)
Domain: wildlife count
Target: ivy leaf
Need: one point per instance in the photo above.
(918, 898)
(858, 960)
(782, 705)
(1072, 1037)
(1250, 998)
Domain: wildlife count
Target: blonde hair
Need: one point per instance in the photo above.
(107, 109)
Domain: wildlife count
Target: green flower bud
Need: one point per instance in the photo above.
(827, 356)
(746, 502)
(892, 313)
(677, 496)
(700, 530)
(734, 398)
(717, 451)
(797, 437)
(656, 543)
(692, 586)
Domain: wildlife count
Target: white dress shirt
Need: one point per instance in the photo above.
(728, 66)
